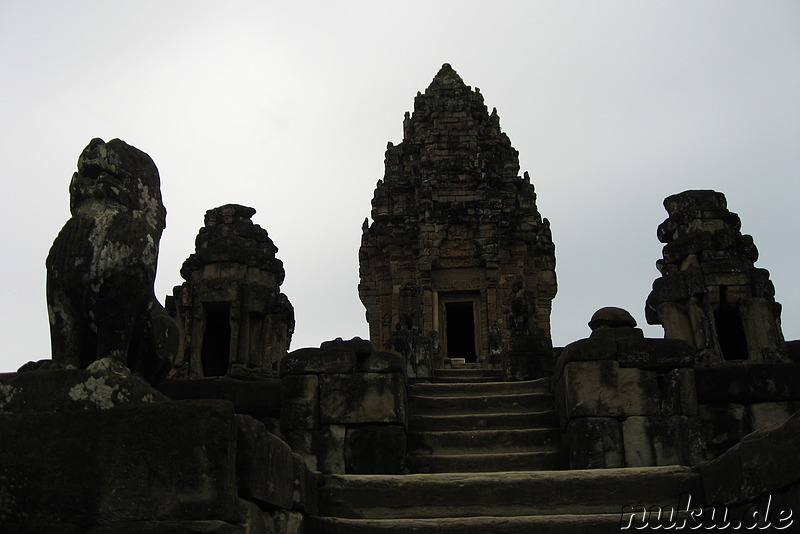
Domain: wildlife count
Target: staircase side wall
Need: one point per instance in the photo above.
(344, 408)
(626, 401)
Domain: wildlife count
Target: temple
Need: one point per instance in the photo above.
(457, 260)
(458, 415)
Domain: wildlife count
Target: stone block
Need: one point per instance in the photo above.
(677, 393)
(304, 498)
(769, 458)
(748, 383)
(724, 425)
(383, 362)
(585, 350)
(172, 527)
(165, 461)
(617, 332)
(722, 478)
(765, 414)
(602, 389)
(375, 449)
(287, 522)
(662, 440)
(594, 443)
(263, 465)
(362, 398)
(254, 520)
(319, 361)
(323, 449)
(300, 402)
(258, 398)
(654, 354)
(66, 390)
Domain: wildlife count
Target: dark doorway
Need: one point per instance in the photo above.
(730, 334)
(215, 355)
(460, 330)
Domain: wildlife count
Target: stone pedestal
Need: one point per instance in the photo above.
(627, 401)
(344, 407)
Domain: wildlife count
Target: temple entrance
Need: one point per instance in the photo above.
(459, 318)
(730, 334)
(215, 355)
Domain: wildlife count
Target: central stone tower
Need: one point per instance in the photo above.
(458, 262)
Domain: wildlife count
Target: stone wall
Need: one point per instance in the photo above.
(115, 461)
(627, 401)
(344, 407)
(742, 397)
(761, 473)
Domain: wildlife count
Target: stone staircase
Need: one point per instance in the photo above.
(486, 457)
(471, 427)
(544, 502)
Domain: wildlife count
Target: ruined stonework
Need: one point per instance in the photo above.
(457, 260)
(102, 266)
(710, 294)
(235, 319)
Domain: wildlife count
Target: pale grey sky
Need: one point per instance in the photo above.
(287, 107)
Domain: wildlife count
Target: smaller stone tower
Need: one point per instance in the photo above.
(710, 294)
(234, 318)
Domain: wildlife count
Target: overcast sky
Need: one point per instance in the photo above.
(287, 107)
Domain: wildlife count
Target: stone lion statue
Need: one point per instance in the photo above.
(102, 266)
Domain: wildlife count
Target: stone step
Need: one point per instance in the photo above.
(489, 421)
(465, 379)
(465, 372)
(488, 463)
(484, 441)
(514, 403)
(476, 389)
(551, 524)
(574, 492)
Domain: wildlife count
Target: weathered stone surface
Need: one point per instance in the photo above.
(362, 347)
(710, 294)
(254, 520)
(304, 498)
(765, 414)
(102, 266)
(724, 425)
(585, 350)
(171, 527)
(765, 462)
(171, 460)
(602, 389)
(300, 402)
(456, 241)
(769, 458)
(594, 442)
(654, 354)
(662, 440)
(362, 398)
(64, 390)
(263, 465)
(237, 321)
(319, 361)
(611, 317)
(259, 398)
(383, 362)
(748, 383)
(375, 449)
(322, 450)
(287, 522)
